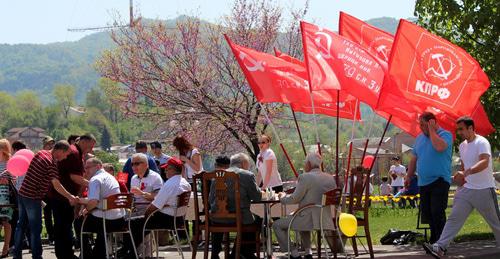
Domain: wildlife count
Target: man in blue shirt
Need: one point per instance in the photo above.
(140, 147)
(432, 160)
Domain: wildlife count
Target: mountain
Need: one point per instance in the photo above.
(39, 67)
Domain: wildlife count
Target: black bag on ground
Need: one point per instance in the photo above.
(398, 237)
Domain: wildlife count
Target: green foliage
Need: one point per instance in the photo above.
(472, 25)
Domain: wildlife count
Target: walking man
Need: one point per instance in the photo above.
(478, 191)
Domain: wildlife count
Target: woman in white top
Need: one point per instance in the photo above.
(267, 166)
(190, 157)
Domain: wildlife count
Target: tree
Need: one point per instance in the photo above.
(472, 25)
(65, 97)
(105, 139)
(186, 79)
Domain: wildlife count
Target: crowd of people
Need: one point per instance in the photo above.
(67, 183)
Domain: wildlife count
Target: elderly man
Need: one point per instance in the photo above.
(310, 189)
(101, 186)
(432, 160)
(140, 147)
(145, 183)
(478, 191)
(165, 201)
(249, 191)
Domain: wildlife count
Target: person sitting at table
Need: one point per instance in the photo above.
(101, 186)
(144, 184)
(249, 191)
(310, 189)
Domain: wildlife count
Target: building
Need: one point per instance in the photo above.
(31, 136)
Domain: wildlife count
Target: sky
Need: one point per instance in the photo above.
(35, 21)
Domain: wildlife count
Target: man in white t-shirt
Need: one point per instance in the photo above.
(397, 173)
(478, 191)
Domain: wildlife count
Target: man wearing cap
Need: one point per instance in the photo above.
(48, 143)
(157, 154)
(165, 201)
(140, 147)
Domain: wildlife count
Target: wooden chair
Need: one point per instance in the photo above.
(330, 198)
(198, 227)
(182, 201)
(223, 182)
(117, 201)
(359, 201)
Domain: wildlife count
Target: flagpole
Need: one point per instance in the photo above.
(368, 137)
(380, 142)
(316, 126)
(337, 141)
(298, 130)
(348, 168)
(279, 140)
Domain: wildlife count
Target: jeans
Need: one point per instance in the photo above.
(47, 215)
(63, 229)
(30, 214)
(433, 202)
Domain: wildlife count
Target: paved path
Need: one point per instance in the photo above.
(474, 249)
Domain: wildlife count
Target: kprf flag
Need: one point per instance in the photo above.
(375, 40)
(271, 79)
(326, 52)
(482, 125)
(428, 69)
(325, 101)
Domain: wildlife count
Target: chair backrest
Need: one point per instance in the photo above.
(119, 201)
(222, 185)
(359, 187)
(332, 198)
(183, 199)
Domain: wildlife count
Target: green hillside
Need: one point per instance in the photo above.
(39, 67)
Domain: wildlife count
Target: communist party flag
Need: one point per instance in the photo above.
(359, 73)
(325, 101)
(376, 41)
(271, 79)
(428, 69)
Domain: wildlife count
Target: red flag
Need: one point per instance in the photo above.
(428, 69)
(375, 40)
(271, 79)
(326, 52)
(482, 124)
(325, 101)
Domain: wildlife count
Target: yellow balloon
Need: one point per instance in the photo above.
(348, 224)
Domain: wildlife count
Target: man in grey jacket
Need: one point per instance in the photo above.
(310, 189)
(249, 191)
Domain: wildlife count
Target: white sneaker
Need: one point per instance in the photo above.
(434, 249)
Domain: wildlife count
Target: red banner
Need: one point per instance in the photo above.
(376, 41)
(272, 79)
(327, 53)
(428, 69)
(122, 177)
(325, 101)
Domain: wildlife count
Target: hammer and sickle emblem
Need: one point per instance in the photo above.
(442, 71)
(324, 52)
(255, 65)
(382, 50)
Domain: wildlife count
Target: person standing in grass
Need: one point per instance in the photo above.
(478, 191)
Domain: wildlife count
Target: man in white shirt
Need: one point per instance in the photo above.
(101, 186)
(478, 191)
(144, 184)
(166, 201)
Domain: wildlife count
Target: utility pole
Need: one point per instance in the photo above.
(114, 26)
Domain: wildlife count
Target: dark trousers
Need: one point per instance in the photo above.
(47, 216)
(433, 202)
(63, 229)
(157, 221)
(246, 249)
(94, 224)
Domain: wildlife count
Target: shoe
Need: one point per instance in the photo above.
(434, 249)
(308, 256)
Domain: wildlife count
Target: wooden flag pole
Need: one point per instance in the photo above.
(279, 140)
(298, 131)
(380, 142)
(337, 140)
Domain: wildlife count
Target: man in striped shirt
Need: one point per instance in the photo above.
(42, 173)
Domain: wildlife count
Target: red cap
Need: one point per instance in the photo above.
(173, 161)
